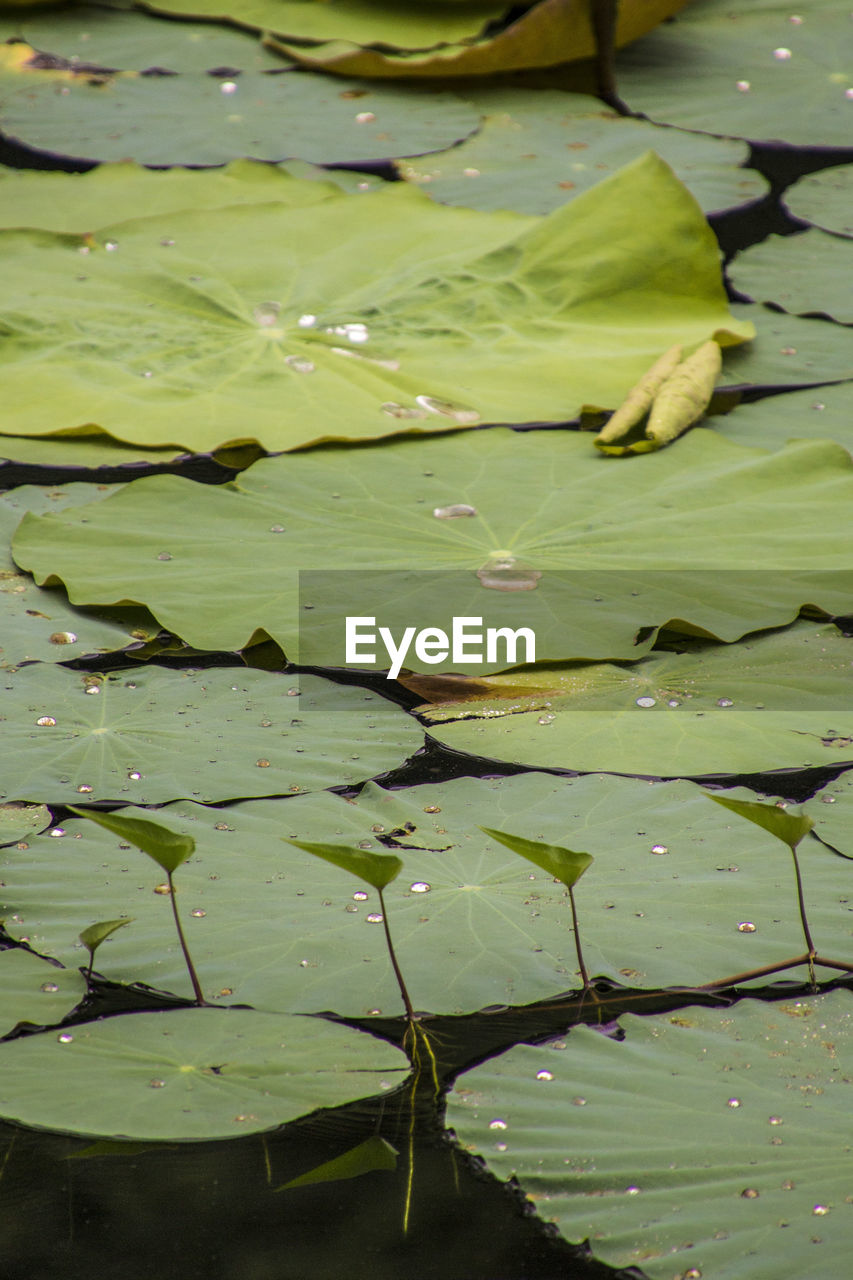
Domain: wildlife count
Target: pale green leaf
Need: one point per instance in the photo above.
(167, 848)
(825, 199)
(801, 274)
(565, 865)
(376, 869)
(101, 930)
(787, 827)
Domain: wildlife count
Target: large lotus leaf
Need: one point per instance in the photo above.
(164, 339)
(788, 351)
(34, 990)
(212, 735)
(536, 151)
(710, 503)
(824, 413)
(89, 452)
(825, 198)
(80, 203)
(775, 701)
(198, 119)
(803, 273)
(832, 811)
(17, 821)
(121, 38)
(767, 71)
(714, 1143)
(39, 623)
(190, 1074)
(473, 924)
(549, 33)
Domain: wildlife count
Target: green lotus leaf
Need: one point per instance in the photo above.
(309, 325)
(673, 878)
(35, 991)
(825, 199)
(80, 203)
(802, 273)
(96, 933)
(189, 1074)
(766, 73)
(122, 38)
(787, 351)
(566, 865)
(376, 869)
(832, 810)
(167, 848)
(823, 413)
(760, 523)
(214, 735)
(787, 827)
(693, 1147)
(198, 119)
(537, 150)
(18, 820)
(87, 452)
(774, 701)
(39, 623)
(545, 34)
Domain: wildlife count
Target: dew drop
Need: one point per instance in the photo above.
(359, 896)
(420, 886)
(84, 789)
(226, 991)
(293, 693)
(110, 246)
(503, 572)
(470, 173)
(198, 913)
(820, 1210)
(659, 848)
(632, 1191)
(497, 1124)
(49, 986)
(645, 702)
(544, 1075)
(749, 1193)
(45, 721)
(164, 555)
(782, 55)
(63, 637)
(774, 1120)
(746, 926)
(156, 1084)
(824, 799)
(222, 826)
(162, 889)
(307, 321)
(365, 117)
(266, 314)
(788, 351)
(276, 528)
(395, 410)
(459, 413)
(547, 718)
(742, 86)
(57, 832)
(375, 917)
(578, 1102)
(725, 702)
(262, 764)
(733, 1102)
(134, 775)
(795, 20)
(454, 511)
(166, 242)
(673, 702)
(378, 827)
(818, 404)
(65, 1037)
(228, 87)
(299, 364)
(848, 93)
(349, 907)
(432, 808)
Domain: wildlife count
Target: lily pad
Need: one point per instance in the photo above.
(39, 624)
(825, 199)
(88, 452)
(310, 325)
(198, 119)
(573, 516)
(788, 351)
(17, 821)
(823, 413)
(544, 34)
(711, 1143)
(763, 72)
(34, 990)
(673, 878)
(160, 735)
(121, 38)
(803, 273)
(190, 1074)
(535, 151)
(775, 701)
(80, 203)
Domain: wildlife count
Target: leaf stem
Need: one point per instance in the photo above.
(199, 997)
(581, 965)
(410, 1013)
(806, 934)
(735, 978)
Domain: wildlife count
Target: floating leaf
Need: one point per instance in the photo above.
(774, 701)
(187, 344)
(535, 151)
(821, 413)
(167, 848)
(802, 273)
(99, 932)
(18, 820)
(564, 864)
(787, 827)
(376, 869)
(372, 1154)
(825, 199)
(214, 735)
(573, 515)
(693, 1147)
(269, 926)
(189, 1075)
(762, 73)
(788, 351)
(35, 991)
